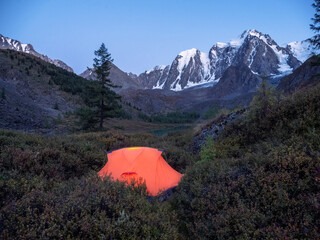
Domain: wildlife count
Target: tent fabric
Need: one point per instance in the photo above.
(141, 163)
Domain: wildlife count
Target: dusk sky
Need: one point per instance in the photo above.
(143, 33)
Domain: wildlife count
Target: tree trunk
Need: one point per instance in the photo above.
(101, 114)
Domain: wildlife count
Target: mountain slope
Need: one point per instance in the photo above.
(236, 80)
(154, 78)
(117, 77)
(8, 43)
(307, 75)
(35, 93)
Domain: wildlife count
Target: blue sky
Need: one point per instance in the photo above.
(143, 33)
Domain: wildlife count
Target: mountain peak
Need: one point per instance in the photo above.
(251, 32)
(221, 44)
(237, 42)
(185, 57)
(158, 67)
(189, 52)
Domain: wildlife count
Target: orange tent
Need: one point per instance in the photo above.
(141, 163)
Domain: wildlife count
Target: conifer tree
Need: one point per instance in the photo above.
(3, 93)
(264, 100)
(102, 102)
(315, 26)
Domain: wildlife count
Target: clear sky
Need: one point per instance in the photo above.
(143, 33)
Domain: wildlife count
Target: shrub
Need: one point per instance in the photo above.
(208, 151)
(258, 196)
(88, 208)
(49, 188)
(56, 106)
(3, 93)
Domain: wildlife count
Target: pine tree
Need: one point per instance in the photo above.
(261, 104)
(102, 102)
(315, 40)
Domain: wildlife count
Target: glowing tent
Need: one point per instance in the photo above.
(142, 163)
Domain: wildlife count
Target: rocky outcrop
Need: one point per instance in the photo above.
(213, 130)
(154, 78)
(236, 80)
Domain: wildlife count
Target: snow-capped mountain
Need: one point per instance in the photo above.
(259, 52)
(8, 43)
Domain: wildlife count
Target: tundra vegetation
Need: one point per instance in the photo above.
(259, 179)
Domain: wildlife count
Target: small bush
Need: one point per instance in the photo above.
(87, 208)
(3, 93)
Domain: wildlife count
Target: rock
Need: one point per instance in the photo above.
(214, 130)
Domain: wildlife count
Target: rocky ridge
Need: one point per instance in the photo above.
(8, 43)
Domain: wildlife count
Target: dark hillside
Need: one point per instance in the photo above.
(307, 75)
(35, 94)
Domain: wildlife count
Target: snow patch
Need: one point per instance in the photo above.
(283, 60)
(265, 51)
(236, 42)
(24, 47)
(252, 55)
(185, 58)
(204, 58)
(281, 74)
(302, 50)
(158, 67)
(16, 45)
(192, 84)
(177, 86)
(158, 85)
(204, 85)
(221, 44)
